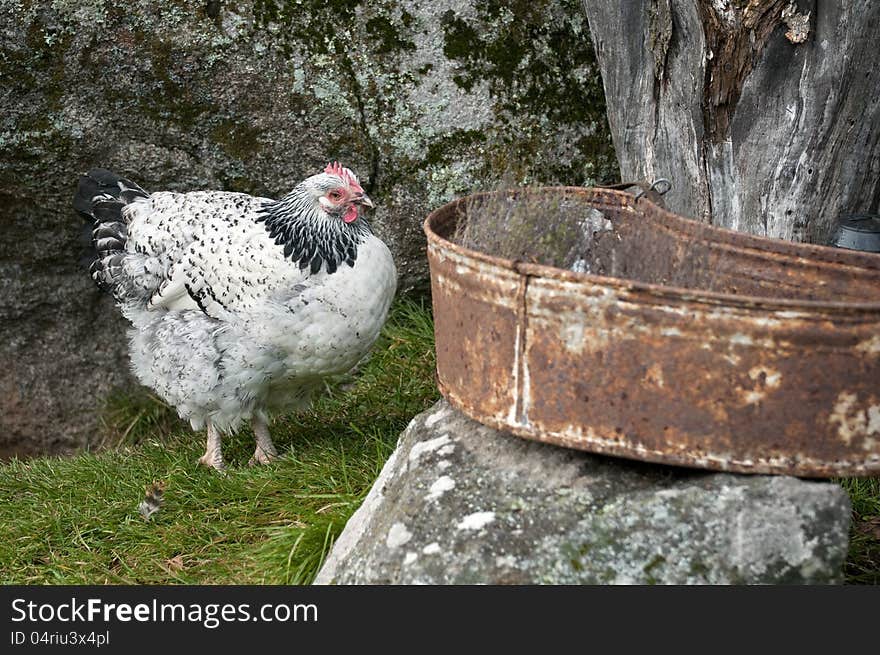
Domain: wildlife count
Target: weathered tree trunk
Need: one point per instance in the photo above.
(765, 114)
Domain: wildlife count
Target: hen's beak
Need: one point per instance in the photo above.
(362, 199)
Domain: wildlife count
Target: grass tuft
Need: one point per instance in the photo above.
(863, 562)
(130, 417)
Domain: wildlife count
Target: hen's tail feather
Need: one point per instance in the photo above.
(101, 196)
(99, 182)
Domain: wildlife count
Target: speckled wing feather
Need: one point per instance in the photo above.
(203, 250)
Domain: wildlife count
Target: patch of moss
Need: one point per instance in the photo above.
(575, 554)
(320, 25)
(39, 66)
(334, 36)
(461, 40)
(539, 63)
(387, 36)
(656, 561)
(33, 70)
(326, 27)
(244, 184)
(450, 146)
(237, 139)
(171, 96)
(698, 568)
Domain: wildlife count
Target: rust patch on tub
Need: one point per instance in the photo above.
(764, 359)
(764, 381)
(854, 420)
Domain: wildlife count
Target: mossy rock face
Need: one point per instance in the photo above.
(425, 100)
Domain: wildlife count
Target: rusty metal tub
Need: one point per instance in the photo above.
(775, 370)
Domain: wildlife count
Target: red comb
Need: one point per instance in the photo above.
(346, 174)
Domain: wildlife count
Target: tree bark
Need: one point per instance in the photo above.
(765, 114)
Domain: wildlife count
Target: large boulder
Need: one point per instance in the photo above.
(425, 100)
(460, 503)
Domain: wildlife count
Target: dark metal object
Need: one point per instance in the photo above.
(656, 186)
(858, 232)
(653, 191)
(776, 370)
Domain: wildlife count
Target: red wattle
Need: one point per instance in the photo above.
(351, 214)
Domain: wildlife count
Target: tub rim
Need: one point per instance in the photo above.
(619, 200)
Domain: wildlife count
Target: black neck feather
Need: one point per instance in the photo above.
(310, 237)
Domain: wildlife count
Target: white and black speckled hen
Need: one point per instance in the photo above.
(240, 306)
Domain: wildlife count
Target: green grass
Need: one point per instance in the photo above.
(863, 563)
(75, 520)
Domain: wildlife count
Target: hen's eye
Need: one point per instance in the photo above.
(334, 195)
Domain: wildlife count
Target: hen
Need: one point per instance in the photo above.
(240, 306)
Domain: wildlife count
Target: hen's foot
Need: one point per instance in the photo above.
(213, 460)
(265, 451)
(213, 456)
(263, 455)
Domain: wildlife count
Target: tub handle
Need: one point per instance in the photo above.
(654, 190)
(655, 187)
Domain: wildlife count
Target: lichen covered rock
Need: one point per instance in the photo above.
(425, 100)
(460, 503)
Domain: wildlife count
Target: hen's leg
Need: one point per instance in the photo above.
(265, 451)
(213, 456)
